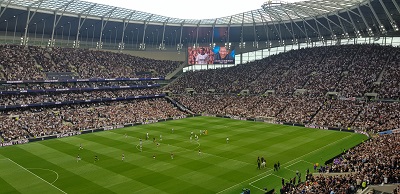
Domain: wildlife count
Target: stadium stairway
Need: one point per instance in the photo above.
(172, 77)
(358, 116)
(1, 73)
(382, 73)
(354, 56)
(342, 75)
(309, 76)
(384, 70)
(316, 112)
(179, 105)
(177, 70)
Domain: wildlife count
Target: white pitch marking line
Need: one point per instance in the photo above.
(261, 178)
(289, 169)
(277, 176)
(37, 176)
(285, 163)
(251, 184)
(293, 163)
(257, 187)
(47, 170)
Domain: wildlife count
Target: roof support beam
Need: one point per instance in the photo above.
(340, 17)
(4, 9)
(333, 35)
(394, 2)
(142, 46)
(103, 26)
(345, 33)
(80, 23)
(392, 22)
(179, 46)
(121, 45)
(242, 44)
(268, 43)
(292, 22)
(126, 21)
(317, 9)
(282, 22)
(349, 10)
(28, 20)
(255, 43)
(305, 22)
(162, 44)
(323, 15)
(369, 29)
(197, 34)
(56, 21)
(313, 6)
(381, 27)
(356, 30)
(272, 20)
(320, 37)
(229, 27)
(212, 34)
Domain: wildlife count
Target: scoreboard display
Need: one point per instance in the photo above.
(208, 55)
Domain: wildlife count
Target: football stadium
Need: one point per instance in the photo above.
(291, 97)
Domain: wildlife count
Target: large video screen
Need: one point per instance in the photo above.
(207, 55)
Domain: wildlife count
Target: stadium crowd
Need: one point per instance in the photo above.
(32, 63)
(37, 122)
(319, 70)
(373, 162)
(318, 112)
(61, 85)
(62, 96)
(349, 70)
(290, 88)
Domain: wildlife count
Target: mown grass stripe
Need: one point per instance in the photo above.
(85, 171)
(221, 168)
(6, 187)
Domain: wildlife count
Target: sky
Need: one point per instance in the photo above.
(187, 9)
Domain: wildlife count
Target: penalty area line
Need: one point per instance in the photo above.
(36, 176)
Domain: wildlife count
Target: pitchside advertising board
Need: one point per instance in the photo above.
(389, 132)
(207, 55)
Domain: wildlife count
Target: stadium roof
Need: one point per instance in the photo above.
(273, 11)
(272, 24)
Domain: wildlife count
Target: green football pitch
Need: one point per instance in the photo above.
(51, 166)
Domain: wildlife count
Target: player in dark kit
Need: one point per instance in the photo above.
(258, 163)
